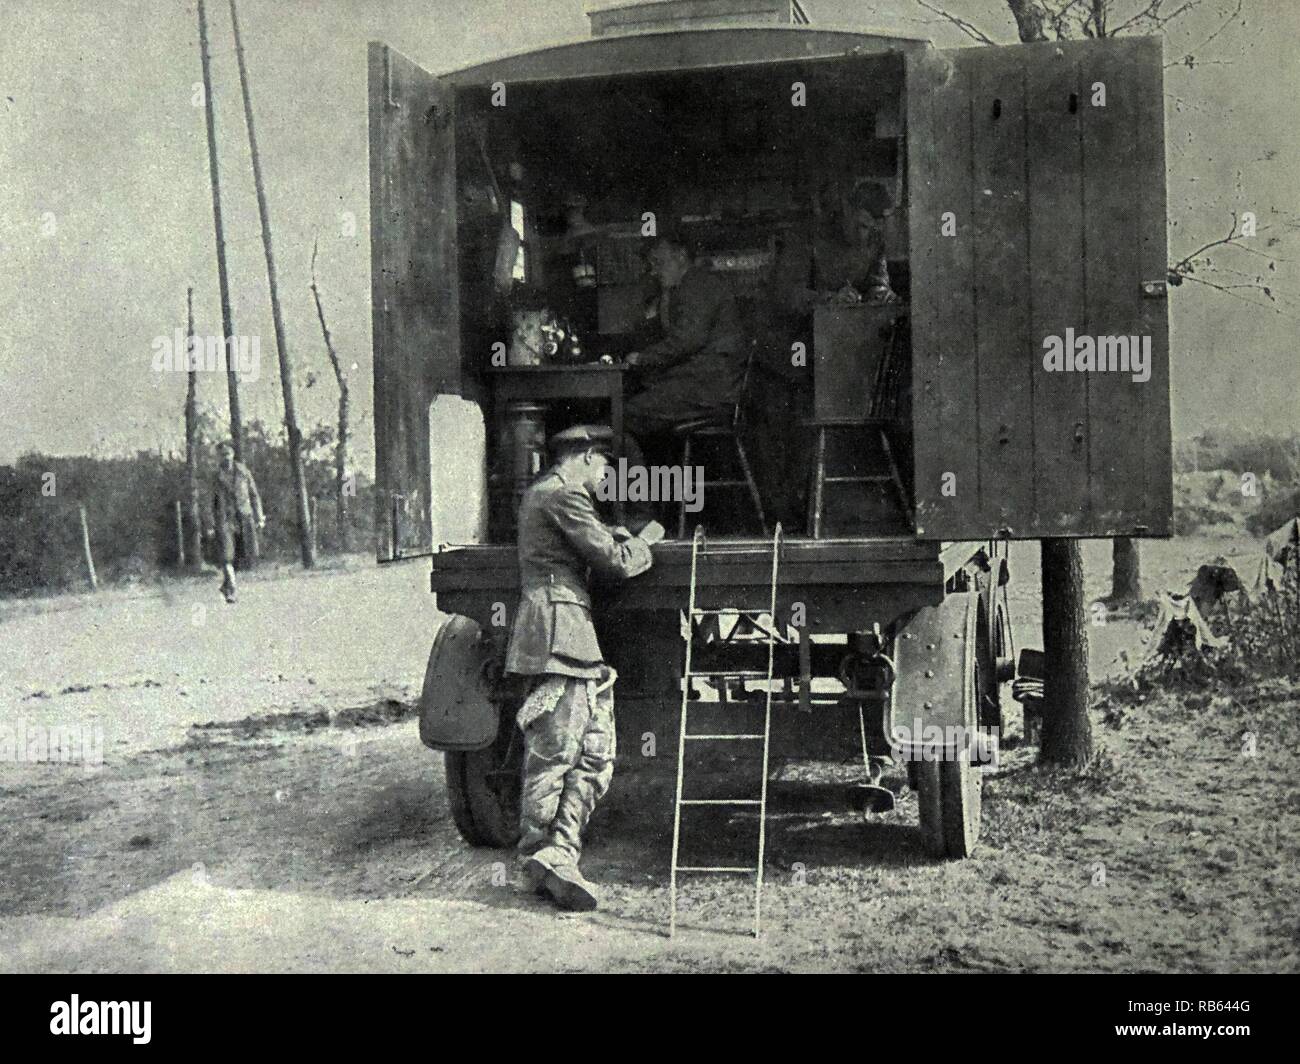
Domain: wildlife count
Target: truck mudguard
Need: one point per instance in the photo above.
(933, 703)
(456, 707)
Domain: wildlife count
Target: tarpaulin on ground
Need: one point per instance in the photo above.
(1178, 615)
(1279, 548)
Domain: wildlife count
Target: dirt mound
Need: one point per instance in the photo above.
(299, 722)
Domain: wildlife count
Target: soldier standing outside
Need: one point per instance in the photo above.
(237, 514)
(568, 716)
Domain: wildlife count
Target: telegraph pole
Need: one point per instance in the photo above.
(227, 326)
(286, 371)
(192, 441)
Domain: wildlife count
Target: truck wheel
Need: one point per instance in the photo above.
(960, 787)
(948, 789)
(991, 652)
(483, 787)
(924, 777)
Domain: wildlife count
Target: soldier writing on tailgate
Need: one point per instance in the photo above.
(568, 716)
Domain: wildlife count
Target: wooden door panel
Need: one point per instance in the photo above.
(414, 300)
(1059, 204)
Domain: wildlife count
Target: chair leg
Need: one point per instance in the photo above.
(819, 483)
(897, 479)
(681, 506)
(749, 482)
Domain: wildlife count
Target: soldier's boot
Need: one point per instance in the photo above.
(556, 873)
(228, 583)
(583, 787)
(532, 837)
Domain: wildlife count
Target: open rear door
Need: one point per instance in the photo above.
(413, 276)
(1036, 180)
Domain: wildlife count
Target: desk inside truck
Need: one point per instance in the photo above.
(594, 380)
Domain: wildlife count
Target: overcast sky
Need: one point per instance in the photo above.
(105, 210)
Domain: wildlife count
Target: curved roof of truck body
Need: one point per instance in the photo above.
(647, 53)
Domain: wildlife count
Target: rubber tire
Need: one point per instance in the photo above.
(960, 787)
(929, 805)
(988, 690)
(948, 796)
(483, 789)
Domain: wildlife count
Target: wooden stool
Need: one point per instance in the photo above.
(712, 429)
(820, 477)
(724, 426)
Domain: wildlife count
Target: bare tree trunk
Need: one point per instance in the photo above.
(1126, 571)
(227, 321)
(1067, 732)
(341, 443)
(1029, 20)
(91, 578)
(286, 371)
(195, 559)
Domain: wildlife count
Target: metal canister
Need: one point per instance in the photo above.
(521, 456)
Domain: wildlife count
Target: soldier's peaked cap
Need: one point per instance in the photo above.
(580, 437)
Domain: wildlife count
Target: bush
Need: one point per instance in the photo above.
(130, 507)
(1275, 510)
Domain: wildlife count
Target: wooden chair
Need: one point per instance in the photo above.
(721, 429)
(841, 360)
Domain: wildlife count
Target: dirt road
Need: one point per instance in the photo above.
(307, 829)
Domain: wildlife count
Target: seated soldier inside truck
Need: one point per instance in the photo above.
(695, 368)
(843, 262)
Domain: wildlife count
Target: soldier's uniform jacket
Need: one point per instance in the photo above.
(701, 326)
(562, 540)
(235, 495)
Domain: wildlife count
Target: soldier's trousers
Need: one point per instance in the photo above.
(568, 727)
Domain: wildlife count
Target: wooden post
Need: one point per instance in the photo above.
(1126, 571)
(341, 442)
(192, 444)
(286, 372)
(227, 321)
(1067, 732)
(180, 535)
(314, 501)
(91, 578)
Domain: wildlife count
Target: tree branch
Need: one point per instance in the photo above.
(973, 32)
(1189, 59)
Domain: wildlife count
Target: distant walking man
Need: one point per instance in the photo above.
(568, 716)
(237, 514)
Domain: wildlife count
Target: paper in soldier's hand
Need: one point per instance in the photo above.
(652, 533)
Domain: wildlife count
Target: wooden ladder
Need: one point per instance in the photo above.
(685, 736)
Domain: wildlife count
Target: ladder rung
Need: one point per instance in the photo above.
(739, 674)
(858, 480)
(721, 801)
(694, 615)
(713, 737)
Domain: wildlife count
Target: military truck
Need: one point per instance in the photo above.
(1030, 190)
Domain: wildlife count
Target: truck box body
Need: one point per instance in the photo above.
(1031, 213)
